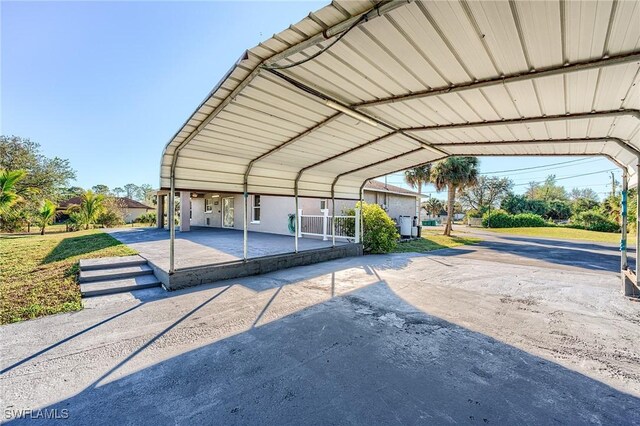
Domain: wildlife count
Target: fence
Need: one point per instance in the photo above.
(325, 226)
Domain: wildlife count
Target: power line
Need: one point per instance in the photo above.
(544, 169)
(569, 177)
(538, 167)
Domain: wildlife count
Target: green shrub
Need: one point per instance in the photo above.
(12, 220)
(497, 219)
(502, 219)
(148, 218)
(593, 220)
(110, 218)
(558, 210)
(528, 220)
(380, 234)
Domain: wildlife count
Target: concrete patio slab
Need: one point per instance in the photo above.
(205, 255)
(206, 246)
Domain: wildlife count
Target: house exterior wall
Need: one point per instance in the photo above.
(273, 218)
(396, 204)
(131, 214)
(275, 210)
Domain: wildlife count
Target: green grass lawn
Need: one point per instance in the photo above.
(434, 240)
(39, 274)
(564, 233)
(61, 227)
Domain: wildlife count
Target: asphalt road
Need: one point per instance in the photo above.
(507, 331)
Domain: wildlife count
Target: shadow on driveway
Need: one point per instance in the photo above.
(364, 358)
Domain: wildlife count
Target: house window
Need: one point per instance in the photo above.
(256, 209)
(323, 205)
(208, 205)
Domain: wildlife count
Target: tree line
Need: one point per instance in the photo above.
(32, 185)
(493, 199)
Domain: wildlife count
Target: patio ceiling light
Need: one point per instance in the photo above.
(351, 113)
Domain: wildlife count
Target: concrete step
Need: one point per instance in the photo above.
(111, 262)
(114, 273)
(101, 288)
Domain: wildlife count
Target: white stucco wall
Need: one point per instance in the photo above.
(273, 218)
(396, 204)
(275, 209)
(131, 214)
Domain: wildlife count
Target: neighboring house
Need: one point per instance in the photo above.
(441, 217)
(131, 209)
(268, 213)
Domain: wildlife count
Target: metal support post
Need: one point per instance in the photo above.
(361, 215)
(245, 232)
(623, 217)
(172, 224)
(637, 283)
(333, 221)
(297, 223)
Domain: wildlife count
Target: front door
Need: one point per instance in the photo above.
(227, 212)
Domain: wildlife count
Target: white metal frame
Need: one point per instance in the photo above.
(254, 64)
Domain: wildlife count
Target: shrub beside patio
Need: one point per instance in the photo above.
(39, 274)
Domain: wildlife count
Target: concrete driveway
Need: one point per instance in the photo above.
(475, 334)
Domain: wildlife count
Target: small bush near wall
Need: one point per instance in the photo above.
(380, 234)
(502, 219)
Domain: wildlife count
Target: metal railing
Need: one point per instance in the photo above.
(325, 226)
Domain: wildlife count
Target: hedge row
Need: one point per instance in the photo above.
(502, 219)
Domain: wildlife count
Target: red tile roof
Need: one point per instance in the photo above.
(124, 201)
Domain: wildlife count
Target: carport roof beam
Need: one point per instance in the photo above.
(496, 81)
(623, 144)
(526, 120)
(395, 157)
(324, 97)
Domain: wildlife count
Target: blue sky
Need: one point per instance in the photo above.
(106, 84)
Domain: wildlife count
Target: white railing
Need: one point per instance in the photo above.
(325, 226)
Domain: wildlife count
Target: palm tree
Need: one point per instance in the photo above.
(45, 215)
(9, 195)
(454, 173)
(433, 206)
(417, 177)
(90, 207)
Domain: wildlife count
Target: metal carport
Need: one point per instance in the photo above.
(358, 90)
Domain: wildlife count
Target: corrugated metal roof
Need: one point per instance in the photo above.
(438, 78)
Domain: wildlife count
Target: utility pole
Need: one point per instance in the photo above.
(613, 185)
